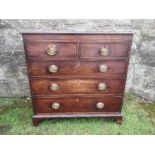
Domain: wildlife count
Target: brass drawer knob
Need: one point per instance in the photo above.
(102, 86)
(52, 50)
(100, 105)
(55, 105)
(103, 68)
(53, 68)
(54, 87)
(104, 51)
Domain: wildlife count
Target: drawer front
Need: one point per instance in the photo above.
(61, 68)
(104, 50)
(53, 105)
(76, 86)
(51, 50)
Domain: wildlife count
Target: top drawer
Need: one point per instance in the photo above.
(104, 50)
(71, 46)
(51, 50)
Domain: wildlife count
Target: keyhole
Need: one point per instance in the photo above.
(78, 63)
(78, 82)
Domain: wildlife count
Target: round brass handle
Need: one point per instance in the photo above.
(102, 86)
(55, 105)
(53, 68)
(104, 51)
(103, 68)
(52, 50)
(100, 105)
(54, 87)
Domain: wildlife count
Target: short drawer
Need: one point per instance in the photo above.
(62, 68)
(51, 51)
(104, 50)
(77, 86)
(54, 105)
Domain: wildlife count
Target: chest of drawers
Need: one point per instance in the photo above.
(77, 74)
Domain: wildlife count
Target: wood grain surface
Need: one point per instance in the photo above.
(78, 60)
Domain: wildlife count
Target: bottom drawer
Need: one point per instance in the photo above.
(83, 104)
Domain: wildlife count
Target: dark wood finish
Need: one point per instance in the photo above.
(76, 68)
(77, 86)
(119, 120)
(40, 50)
(111, 104)
(37, 118)
(78, 114)
(77, 37)
(78, 60)
(36, 121)
(93, 50)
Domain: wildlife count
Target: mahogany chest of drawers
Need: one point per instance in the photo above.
(77, 74)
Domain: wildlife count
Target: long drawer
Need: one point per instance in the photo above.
(55, 105)
(63, 68)
(77, 86)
